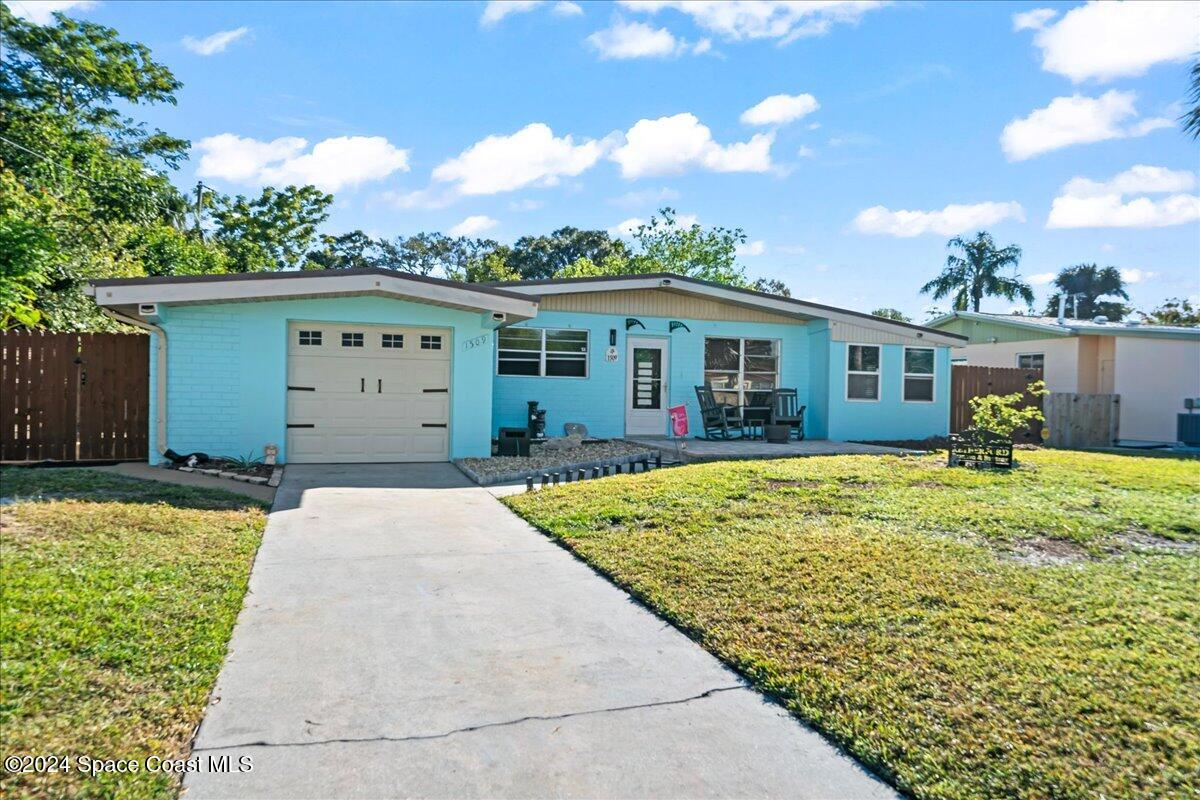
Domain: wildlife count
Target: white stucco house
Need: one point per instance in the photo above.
(1152, 367)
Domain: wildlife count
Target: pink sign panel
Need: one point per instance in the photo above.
(679, 423)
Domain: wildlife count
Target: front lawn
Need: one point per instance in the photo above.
(963, 633)
(119, 596)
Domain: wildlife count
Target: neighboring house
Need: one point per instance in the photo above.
(375, 365)
(1152, 367)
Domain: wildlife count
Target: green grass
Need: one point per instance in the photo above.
(964, 633)
(119, 596)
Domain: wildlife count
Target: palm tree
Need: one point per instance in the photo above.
(1191, 118)
(1087, 283)
(976, 273)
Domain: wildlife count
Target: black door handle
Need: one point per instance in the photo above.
(362, 384)
(380, 386)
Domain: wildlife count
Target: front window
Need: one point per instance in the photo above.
(352, 340)
(542, 352)
(862, 372)
(918, 374)
(1031, 360)
(736, 368)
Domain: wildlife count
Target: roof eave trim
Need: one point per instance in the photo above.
(780, 305)
(113, 293)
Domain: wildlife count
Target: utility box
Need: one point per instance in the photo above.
(513, 442)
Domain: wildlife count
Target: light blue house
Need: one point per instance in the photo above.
(375, 365)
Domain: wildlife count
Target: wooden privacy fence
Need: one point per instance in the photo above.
(74, 396)
(1082, 420)
(968, 381)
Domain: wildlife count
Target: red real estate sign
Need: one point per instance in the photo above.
(679, 423)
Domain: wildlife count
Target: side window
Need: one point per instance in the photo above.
(393, 341)
(918, 374)
(352, 340)
(862, 372)
(310, 338)
(1031, 360)
(430, 342)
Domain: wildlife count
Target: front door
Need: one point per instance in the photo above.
(646, 387)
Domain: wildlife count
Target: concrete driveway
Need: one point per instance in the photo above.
(405, 635)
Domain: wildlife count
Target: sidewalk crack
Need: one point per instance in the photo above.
(473, 728)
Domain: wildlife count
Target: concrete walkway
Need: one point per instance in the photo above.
(405, 635)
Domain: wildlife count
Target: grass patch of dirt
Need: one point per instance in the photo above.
(119, 599)
(878, 597)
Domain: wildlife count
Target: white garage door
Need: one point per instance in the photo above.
(367, 393)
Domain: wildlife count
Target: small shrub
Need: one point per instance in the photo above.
(1003, 414)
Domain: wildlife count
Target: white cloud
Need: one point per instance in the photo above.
(528, 204)
(41, 12)
(565, 8)
(951, 220)
(1033, 20)
(805, 151)
(211, 45)
(1041, 278)
(792, 249)
(1136, 275)
(627, 227)
(634, 40)
(1084, 203)
(474, 225)
(533, 156)
(780, 109)
(645, 197)
(424, 199)
(1106, 40)
(701, 47)
(1075, 120)
(1107, 247)
(755, 248)
(331, 165)
(1138, 179)
(763, 19)
(497, 10)
(670, 145)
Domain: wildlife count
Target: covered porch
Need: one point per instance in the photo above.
(692, 451)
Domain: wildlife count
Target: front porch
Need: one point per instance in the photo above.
(692, 451)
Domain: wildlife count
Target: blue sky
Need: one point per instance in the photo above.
(1051, 125)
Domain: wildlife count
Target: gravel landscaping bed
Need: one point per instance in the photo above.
(500, 469)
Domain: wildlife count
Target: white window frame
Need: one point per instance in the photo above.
(587, 355)
(905, 375)
(741, 370)
(878, 373)
(1035, 353)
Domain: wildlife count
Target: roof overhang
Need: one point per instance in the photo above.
(125, 294)
(786, 306)
(970, 316)
(1072, 327)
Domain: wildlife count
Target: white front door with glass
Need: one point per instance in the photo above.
(646, 387)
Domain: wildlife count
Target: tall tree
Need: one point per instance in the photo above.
(94, 180)
(1083, 285)
(536, 257)
(272, 231)
(1173, 311)
(972, 272)
(771, 286)
(1191, 117)
(890, 313)
(665, 245)
(353, 250)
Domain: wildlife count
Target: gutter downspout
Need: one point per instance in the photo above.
(160, 373)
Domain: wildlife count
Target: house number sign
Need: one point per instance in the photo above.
(478, 341)
(610, 355)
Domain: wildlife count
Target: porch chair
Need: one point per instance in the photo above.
(720, 419)
(786, 410)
